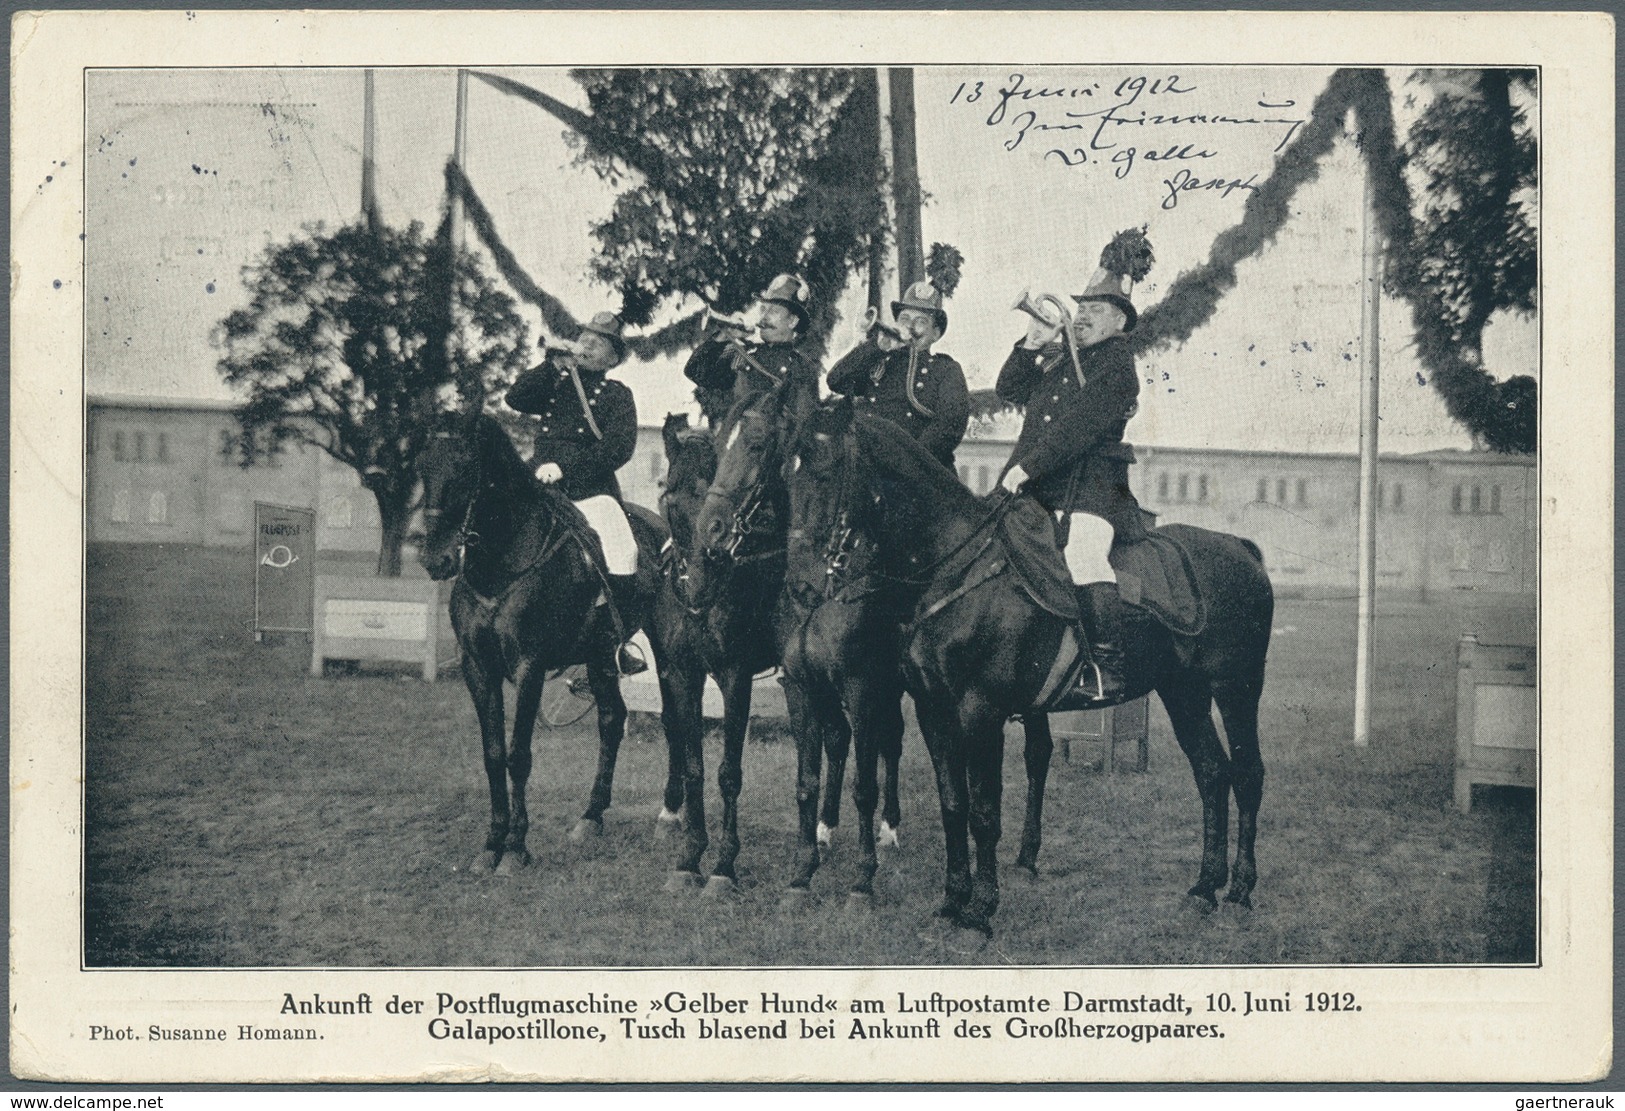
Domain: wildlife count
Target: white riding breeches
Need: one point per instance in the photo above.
(1087, 543)
(606, 517)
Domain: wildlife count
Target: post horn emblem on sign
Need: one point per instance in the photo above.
(279, 557)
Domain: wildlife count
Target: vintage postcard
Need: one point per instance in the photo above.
(822, 546)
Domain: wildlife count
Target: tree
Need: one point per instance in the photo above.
(1474, 250)
(740, 175)
(343, 346)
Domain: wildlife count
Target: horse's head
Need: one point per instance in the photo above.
(691, 463)
(829, 497)
(450, 468)
(750, 446)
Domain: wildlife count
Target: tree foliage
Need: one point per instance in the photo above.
(343, 346)
(743, 174)
(1474, 247)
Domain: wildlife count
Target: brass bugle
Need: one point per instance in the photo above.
(871, 319)
(723, 321)
(1033, 307)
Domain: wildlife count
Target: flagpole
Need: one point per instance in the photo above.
(1370, 365)
(369, 167)
(459, 156)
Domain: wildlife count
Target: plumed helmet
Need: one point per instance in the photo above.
(924, 296)
(610, 326)
(1126, 260)
(791, 292)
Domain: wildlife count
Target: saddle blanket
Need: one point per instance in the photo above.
(1152, 574)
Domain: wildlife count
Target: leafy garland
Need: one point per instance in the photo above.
(559, 320)
(1471, 395)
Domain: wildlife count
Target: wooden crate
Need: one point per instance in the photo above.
(1497, 727)
(364, 618)
(1110, 740)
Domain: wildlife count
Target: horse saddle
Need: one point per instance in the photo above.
(1153, 574)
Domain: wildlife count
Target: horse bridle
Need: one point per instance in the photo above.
(747, 512)
(839, 546)
(466, 536)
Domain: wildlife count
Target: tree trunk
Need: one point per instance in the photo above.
(906, 180)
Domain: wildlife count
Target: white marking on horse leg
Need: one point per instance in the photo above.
(668, 817)
(826, 834)
(888, 835)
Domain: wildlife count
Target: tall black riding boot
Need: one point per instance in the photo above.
(1104, 616)
(628, 659)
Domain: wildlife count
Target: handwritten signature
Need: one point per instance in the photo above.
(1186, 182)
(1022, 108)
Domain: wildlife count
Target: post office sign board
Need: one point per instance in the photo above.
(284, 568)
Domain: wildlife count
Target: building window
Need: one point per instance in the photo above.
(121, 507)
(1263, 490)
(1162, 486)
(1470, 499)
(964, 475)
(984, 481)
(1303, 491)
(1280, 491)
(158, 508)
(1201, 489)
(657, 466)
(120, 451)
(340, 513)
(1184, 487)
(163, 447)
(140, 447)
(1399, 496)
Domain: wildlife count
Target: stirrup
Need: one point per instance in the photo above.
(1098, 692)
(629, 660)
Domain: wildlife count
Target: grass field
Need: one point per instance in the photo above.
(241, 813)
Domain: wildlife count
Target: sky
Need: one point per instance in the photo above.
(191, 174)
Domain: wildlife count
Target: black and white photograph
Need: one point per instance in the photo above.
(957, 568)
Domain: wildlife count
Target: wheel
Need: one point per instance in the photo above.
(567, 697)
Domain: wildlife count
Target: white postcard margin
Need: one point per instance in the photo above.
(1549, 1024)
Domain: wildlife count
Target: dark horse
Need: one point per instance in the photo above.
(978, 650)
(716, 618)
(527, 601)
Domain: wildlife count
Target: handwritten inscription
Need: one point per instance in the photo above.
(1162, 126)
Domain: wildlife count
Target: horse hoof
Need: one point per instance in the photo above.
(485, 862)
(795, 899)
(860, 902)
(888, 836)
(720, 887)
(1027, 871)
(666, 824)
(586, 828)
(513, 862)
(1202, 904)
(680, 881)
(1239, 899)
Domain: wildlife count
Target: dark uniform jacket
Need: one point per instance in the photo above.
(1071, 441)
(722, 385)
(878, 381)
(566, 437)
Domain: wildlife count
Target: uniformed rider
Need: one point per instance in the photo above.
(588, 430)
(894, 374)
(1071, 455)
(730, 365)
